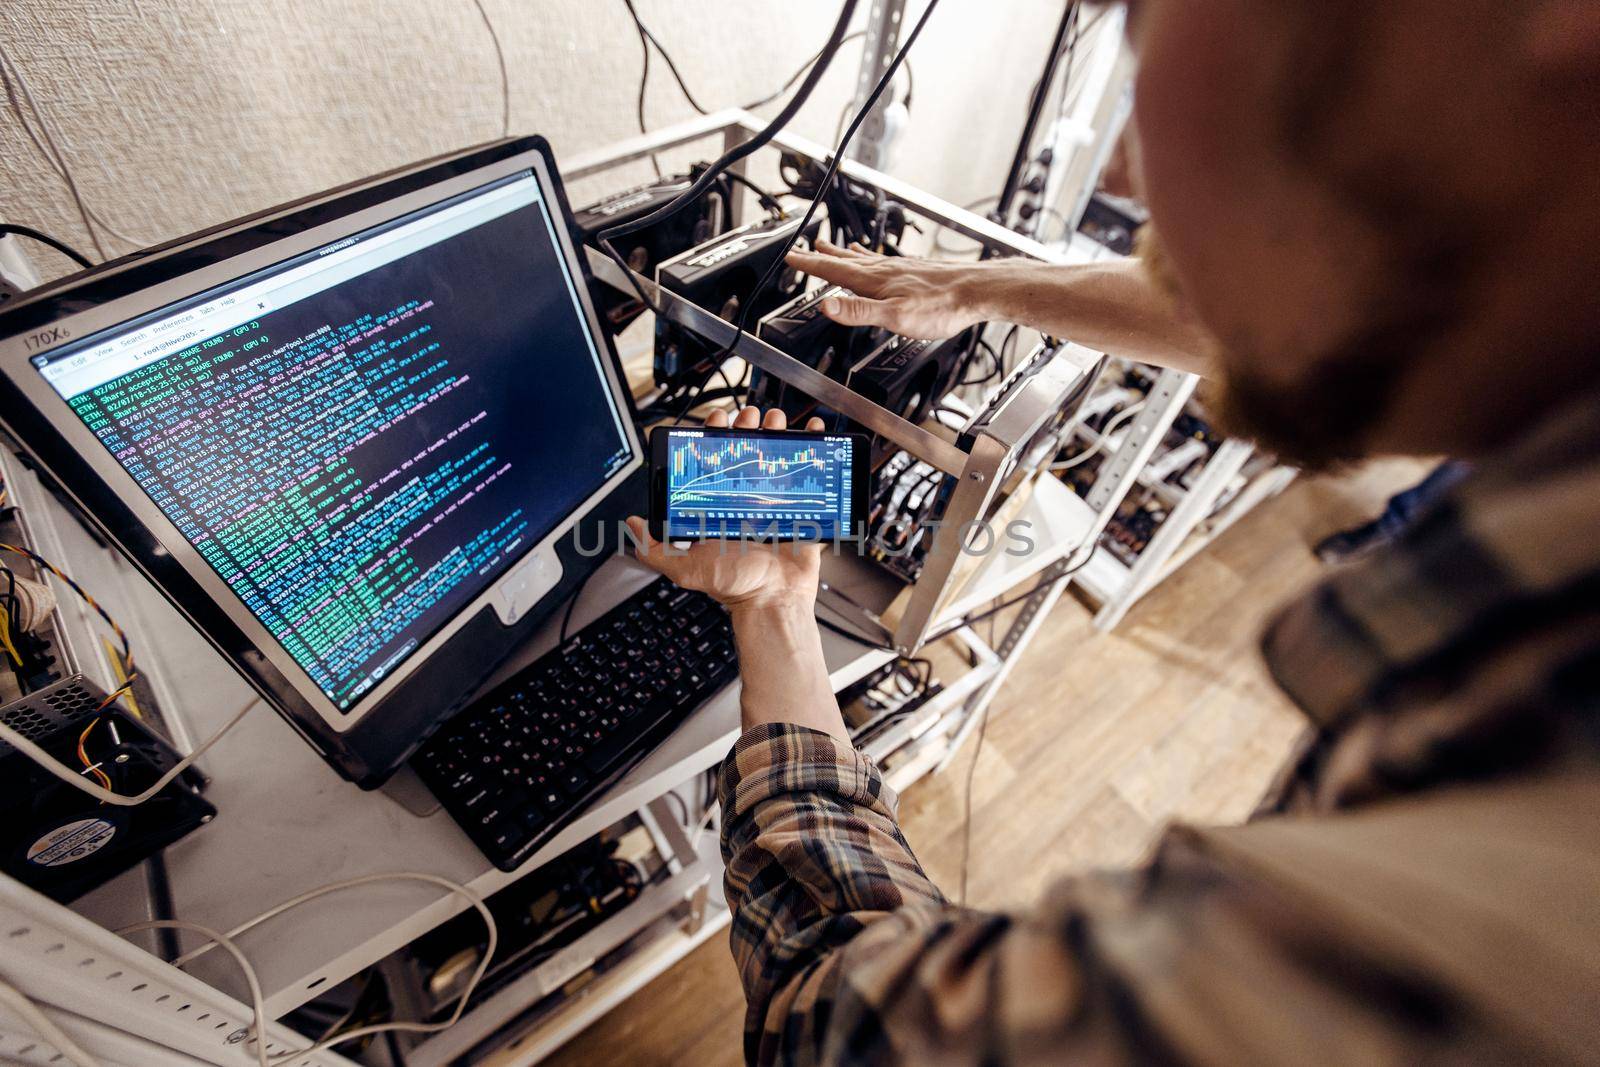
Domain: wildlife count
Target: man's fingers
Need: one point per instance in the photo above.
(815, 425)
(855, 251)
(717, 420)
(774, 419)
(857, 311)
(840, 270)
(747, 419)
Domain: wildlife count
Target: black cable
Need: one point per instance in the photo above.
(779, 263)
(646, 35)
(10, 598)
(766, 199)
(45, 239)
(765, 100)
(744, 148)
(709, 176)
(1014, 601)
(860, 639)
(926, 677)
(1008, 346)
(572, 604)
(995, 369)
(696, 397)
(644, 85)
(1060, 48)
(705, 396)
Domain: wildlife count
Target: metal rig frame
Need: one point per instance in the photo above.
(978, 471)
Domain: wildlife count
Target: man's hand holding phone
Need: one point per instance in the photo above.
(738, 573)
(770, 590)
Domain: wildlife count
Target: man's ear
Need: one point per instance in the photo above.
(1562, 38)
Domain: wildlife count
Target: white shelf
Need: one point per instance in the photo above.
(1103, 577)
(1059, 521)
(287, 823)
(655, 937)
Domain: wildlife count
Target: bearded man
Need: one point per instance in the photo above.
(1379, 233)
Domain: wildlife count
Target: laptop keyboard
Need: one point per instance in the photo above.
(521, 762)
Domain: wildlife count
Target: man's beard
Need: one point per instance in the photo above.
(1326, 417)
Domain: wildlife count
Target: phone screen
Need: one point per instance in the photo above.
(767, 484)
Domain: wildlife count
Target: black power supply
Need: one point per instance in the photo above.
(646, 249)
(722, 276)
(62, 841)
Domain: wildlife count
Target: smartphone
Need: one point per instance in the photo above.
(769, 485)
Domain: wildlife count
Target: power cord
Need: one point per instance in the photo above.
(1102, 440)
(500, 59)
(45, 239)
(45, 142)
(765, 100)
(766, 199)
(778, 263)
(227, 942)
(860, 639)
(28, 748)
(124, 659)
(17, 1001)
(649, 38)
(606, 238)
(258, 1001)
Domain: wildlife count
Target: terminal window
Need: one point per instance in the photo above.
(361, 440)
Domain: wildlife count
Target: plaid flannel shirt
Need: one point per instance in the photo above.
(1424, 886)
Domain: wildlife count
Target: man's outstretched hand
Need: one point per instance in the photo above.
(739, 574)
(910, 297)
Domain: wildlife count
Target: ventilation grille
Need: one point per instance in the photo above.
(45, 712)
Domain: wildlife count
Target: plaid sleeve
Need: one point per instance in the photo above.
(1288, 941)
(814, 856)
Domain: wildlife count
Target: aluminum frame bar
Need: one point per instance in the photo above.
(883, 38)
(65, 962)
(1147, 570)
(914, 439)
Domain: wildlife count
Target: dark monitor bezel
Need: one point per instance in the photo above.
(371, 745)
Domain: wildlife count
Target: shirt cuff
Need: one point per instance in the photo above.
(784, 760)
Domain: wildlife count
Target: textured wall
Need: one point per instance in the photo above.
(177, 114)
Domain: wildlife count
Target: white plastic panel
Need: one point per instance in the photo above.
(76, 972)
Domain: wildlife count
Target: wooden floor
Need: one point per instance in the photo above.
(1096, 742)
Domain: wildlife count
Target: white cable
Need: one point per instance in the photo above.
(703, 825)
(472, 898)
(6, 68)
(1105, 436)
(30, 749)
(258, 1002)
(500, 58)
(47, 1030)
(56, 159)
